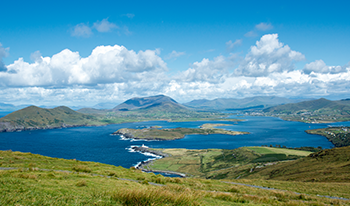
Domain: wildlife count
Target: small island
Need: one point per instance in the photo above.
(173, 134)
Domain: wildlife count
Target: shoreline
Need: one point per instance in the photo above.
(141, 165)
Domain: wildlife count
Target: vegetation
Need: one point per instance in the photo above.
(339, 136)
(315, 111)
(221, 163)
(134, 110)
(171, 134)
(330, 165)
(40, 180)
(37, 118)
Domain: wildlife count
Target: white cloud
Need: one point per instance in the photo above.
(36, 56)
(251, 34)
(230, 45)
(174, 54)
(3, 54)
(263, 26)
(319, 66)
(114, 73)
(130, 15)
(104, 25)
(208, 70)
(268, 56)
(106, 64)
(81, 30)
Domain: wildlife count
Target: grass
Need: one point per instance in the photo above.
(330, 165)
(219, 163)
(30, 185)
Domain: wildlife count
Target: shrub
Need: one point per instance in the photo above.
(81, 183)
(81, 168)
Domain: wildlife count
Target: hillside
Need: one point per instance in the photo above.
(320, 110)
(145, 102)
(33, 117)
(31, 179)
(221, 163)
(246, 103)
(330, 165)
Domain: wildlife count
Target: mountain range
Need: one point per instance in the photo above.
(313, 105)
(258, 102)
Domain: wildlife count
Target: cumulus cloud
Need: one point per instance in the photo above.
(106, 64)
(268, 56)
(208, 70)
(319, 66)
(36, 56)
(264, 26)
(81, 30)
(174, 54)
(3, 54)
(114, 73)
(104, 25)
(231, 45)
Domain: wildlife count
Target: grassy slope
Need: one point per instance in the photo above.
(171, 134)
(32, 186)
(220, 163)
(35, 117)
(337, 135)
(331, 165)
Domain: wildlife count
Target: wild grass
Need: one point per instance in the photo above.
(30, 185)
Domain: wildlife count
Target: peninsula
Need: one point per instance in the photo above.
(172, 134)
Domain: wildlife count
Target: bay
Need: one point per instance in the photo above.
(98, 145)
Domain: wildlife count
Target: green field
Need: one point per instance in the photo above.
(40, 180)
(220, 163)
(176, 133)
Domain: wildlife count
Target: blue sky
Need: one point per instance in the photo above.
(187, 50)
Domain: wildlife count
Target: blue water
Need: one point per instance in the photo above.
(96, 143)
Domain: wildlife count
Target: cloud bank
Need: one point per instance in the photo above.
(114, 73)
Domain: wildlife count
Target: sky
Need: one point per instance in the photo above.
(88, 52)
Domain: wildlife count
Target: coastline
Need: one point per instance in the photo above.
(158, 155)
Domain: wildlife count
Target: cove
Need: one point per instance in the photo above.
(96, 144)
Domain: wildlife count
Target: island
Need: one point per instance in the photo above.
(173, 134)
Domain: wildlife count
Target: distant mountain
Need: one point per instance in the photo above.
(246, 103)
(105, 105)
(312, 105)
(33, 117)
(159, 101)
(10, 107)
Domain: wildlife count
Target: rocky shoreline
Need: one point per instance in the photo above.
(143, 164)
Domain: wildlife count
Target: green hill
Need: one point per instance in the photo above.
(31, 179)
(330, 165)
(33, 117)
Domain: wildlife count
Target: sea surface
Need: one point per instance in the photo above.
(97, 144)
